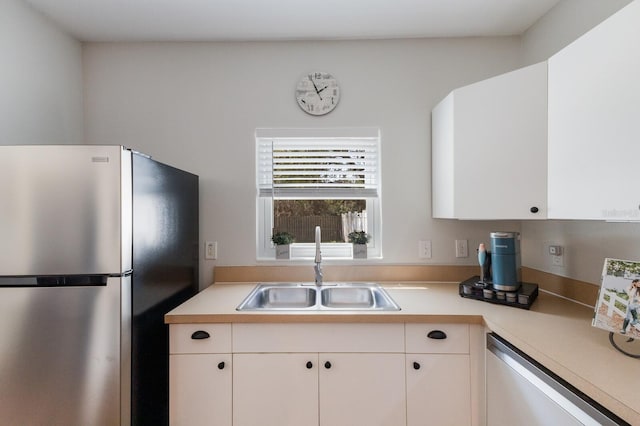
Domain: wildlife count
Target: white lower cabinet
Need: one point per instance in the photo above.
(200, 374)
(362, 389)
(320, 374)
(438, 391)
(332, 389)
(438, 375)
(275, 389)
(200, 389)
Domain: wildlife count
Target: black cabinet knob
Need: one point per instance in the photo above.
(416, 366)
(327, 365)
(221, 365)
(309, 364)
(534, 209)
(437, 334)
(200, 334)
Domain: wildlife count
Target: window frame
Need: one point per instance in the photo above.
(265, 250)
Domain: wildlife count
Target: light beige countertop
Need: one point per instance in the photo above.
(555, 332)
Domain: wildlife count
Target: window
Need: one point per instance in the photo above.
(325, 177)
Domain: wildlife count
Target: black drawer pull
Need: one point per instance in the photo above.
(200, 334)
(327, 365)
(221, 365)
(534, 209)
(416, 366)
(437, 334)
(309, 364)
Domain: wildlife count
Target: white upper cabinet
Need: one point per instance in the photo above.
(594, 122)
(489, 148)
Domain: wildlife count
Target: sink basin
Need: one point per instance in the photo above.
(328, 297)
(281, 296)
(357, 296)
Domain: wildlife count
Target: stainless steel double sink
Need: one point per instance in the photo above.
(308, 296)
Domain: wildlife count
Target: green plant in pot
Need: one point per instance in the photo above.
(282, 241)
(359, 239)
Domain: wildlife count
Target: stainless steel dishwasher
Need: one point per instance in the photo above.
(522, 392)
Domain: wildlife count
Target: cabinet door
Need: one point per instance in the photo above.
(200, 389)
(594, 125)
(362, 389)
(438, 390)
(489, 148)
(275, 389)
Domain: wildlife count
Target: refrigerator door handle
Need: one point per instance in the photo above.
(54, 281)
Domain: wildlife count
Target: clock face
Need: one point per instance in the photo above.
(318, 93)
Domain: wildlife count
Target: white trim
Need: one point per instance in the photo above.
(338, 132)
(264, 203)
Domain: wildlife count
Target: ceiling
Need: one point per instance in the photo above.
(227, 20)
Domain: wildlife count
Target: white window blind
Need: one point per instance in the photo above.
(319, 167)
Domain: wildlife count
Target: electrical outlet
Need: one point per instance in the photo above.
(557, 255)
(555, 250)
(557, 260)
(424, 249)
(462, 248)
(211, 250)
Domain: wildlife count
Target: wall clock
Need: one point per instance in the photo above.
(318, 93)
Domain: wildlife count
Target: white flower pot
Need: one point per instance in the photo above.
(282, 251)
(359, 251)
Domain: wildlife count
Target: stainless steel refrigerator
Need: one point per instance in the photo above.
(97, 243)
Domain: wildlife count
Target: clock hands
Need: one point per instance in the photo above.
(316, 88)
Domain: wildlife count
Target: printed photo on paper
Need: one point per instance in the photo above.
(618, 306)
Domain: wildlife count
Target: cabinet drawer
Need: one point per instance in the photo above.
(199, 338)
(456, 338)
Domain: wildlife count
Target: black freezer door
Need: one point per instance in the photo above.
(165, 274)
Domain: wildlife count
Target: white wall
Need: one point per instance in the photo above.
(586, 243)
(196, 106)
(40, 79)
(567, 21)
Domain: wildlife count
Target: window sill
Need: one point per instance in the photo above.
(305, 252)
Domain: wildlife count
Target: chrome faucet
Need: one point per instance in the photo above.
(318, 269)
(318, 260)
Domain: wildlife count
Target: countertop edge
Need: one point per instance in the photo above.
(326, 318)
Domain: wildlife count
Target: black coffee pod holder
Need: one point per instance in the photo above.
(522, 298)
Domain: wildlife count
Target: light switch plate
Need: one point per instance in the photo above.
(211, 250)
(462, 248)
(424, 249)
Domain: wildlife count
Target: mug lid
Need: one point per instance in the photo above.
(504, 234)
